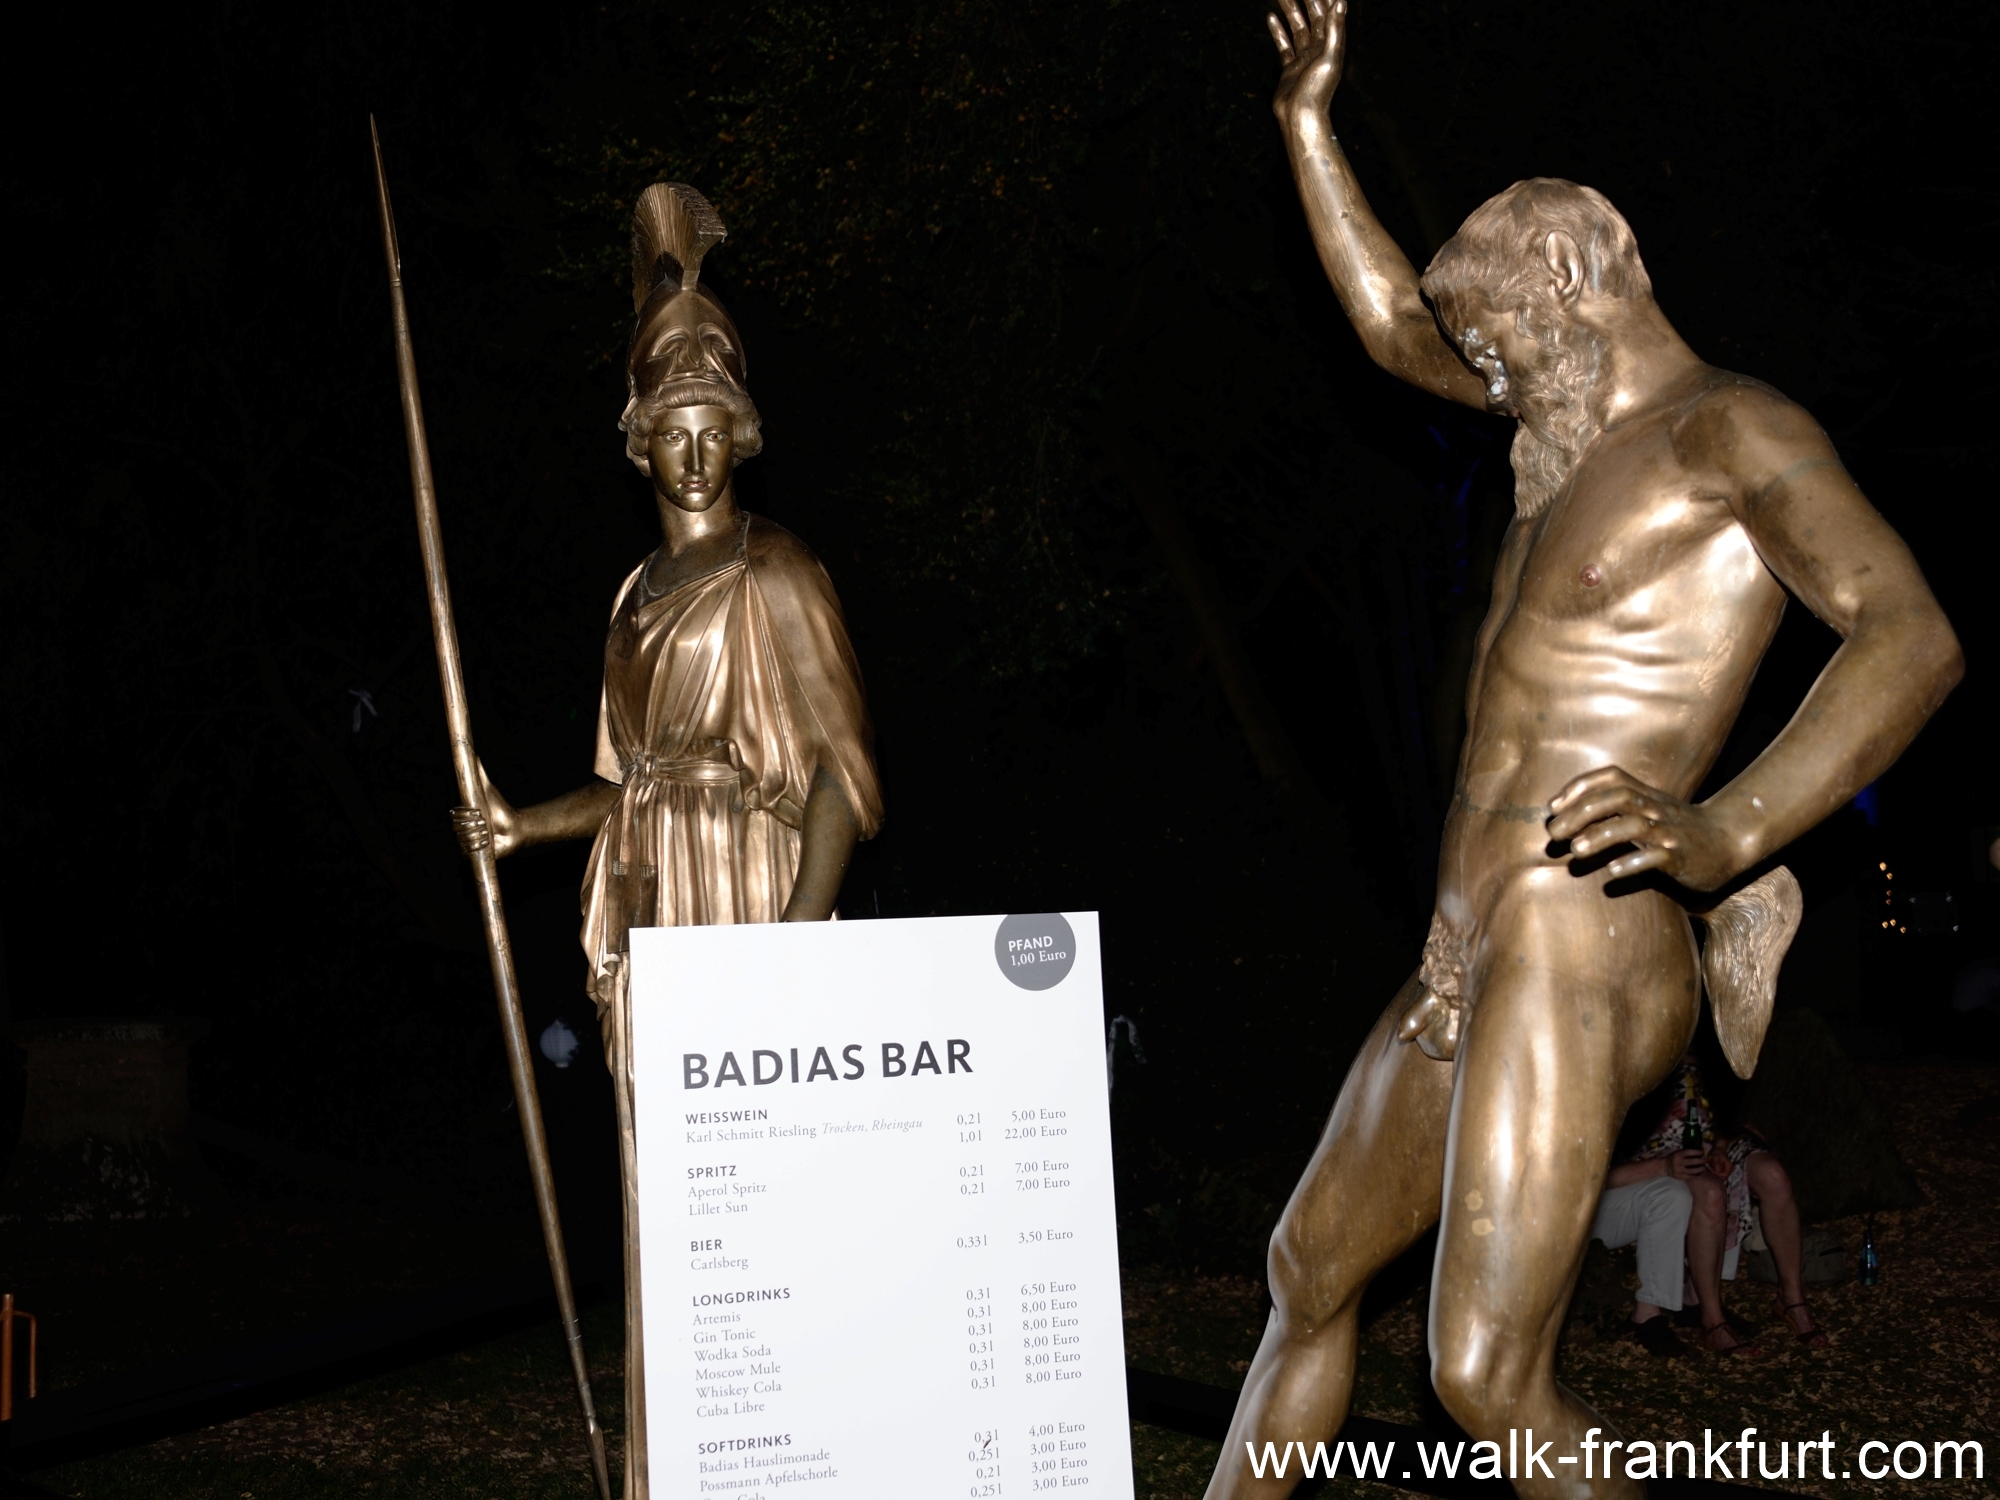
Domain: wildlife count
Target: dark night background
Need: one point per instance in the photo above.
(1164, 594)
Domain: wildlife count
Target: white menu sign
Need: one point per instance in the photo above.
(878, 1251)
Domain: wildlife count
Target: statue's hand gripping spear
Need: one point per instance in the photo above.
(506, 989)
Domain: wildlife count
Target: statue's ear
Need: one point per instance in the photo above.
(1565, 262)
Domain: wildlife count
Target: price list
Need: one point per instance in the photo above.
(877, 1237)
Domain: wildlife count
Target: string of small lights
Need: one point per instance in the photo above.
(1889, 898)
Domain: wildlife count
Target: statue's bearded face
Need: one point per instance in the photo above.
(1543, 366)
(692, 450)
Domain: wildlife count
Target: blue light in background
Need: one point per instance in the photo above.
(1866, 799)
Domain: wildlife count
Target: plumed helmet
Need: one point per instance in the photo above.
(685, 350)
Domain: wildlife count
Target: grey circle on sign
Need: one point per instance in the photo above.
(1035, 949)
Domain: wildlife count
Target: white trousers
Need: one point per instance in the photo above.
(1654, 1215)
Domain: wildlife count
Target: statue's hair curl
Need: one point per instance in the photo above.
(642, 414)
(1498, 249)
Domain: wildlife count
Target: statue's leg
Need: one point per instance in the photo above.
(1370, 1191)
(1579, 1005)
(618, 1029)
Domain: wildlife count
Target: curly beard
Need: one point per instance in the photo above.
(1556, 420)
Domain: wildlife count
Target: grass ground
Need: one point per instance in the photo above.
(1913, 1358)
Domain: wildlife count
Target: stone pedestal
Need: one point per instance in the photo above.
(104, 1127)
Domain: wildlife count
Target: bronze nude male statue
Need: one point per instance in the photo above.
(735, 759)
(1664, 508)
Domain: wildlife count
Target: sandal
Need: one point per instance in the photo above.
(1690, 1317)
(1736, 1347)
(1814, 1337)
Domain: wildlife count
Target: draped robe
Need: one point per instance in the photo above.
(723, 699)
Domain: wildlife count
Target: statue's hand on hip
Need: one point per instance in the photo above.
(1312, 47)
(1682, 840)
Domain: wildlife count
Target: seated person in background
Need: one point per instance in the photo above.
(1650, 1204)
(1717, 1180)
(1778, 1214)
(1748, 1170)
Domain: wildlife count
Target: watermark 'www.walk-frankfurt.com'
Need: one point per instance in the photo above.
(1596, 1456)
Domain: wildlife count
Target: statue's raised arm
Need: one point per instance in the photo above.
(1373, 278)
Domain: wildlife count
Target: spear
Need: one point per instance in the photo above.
(458, 718)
